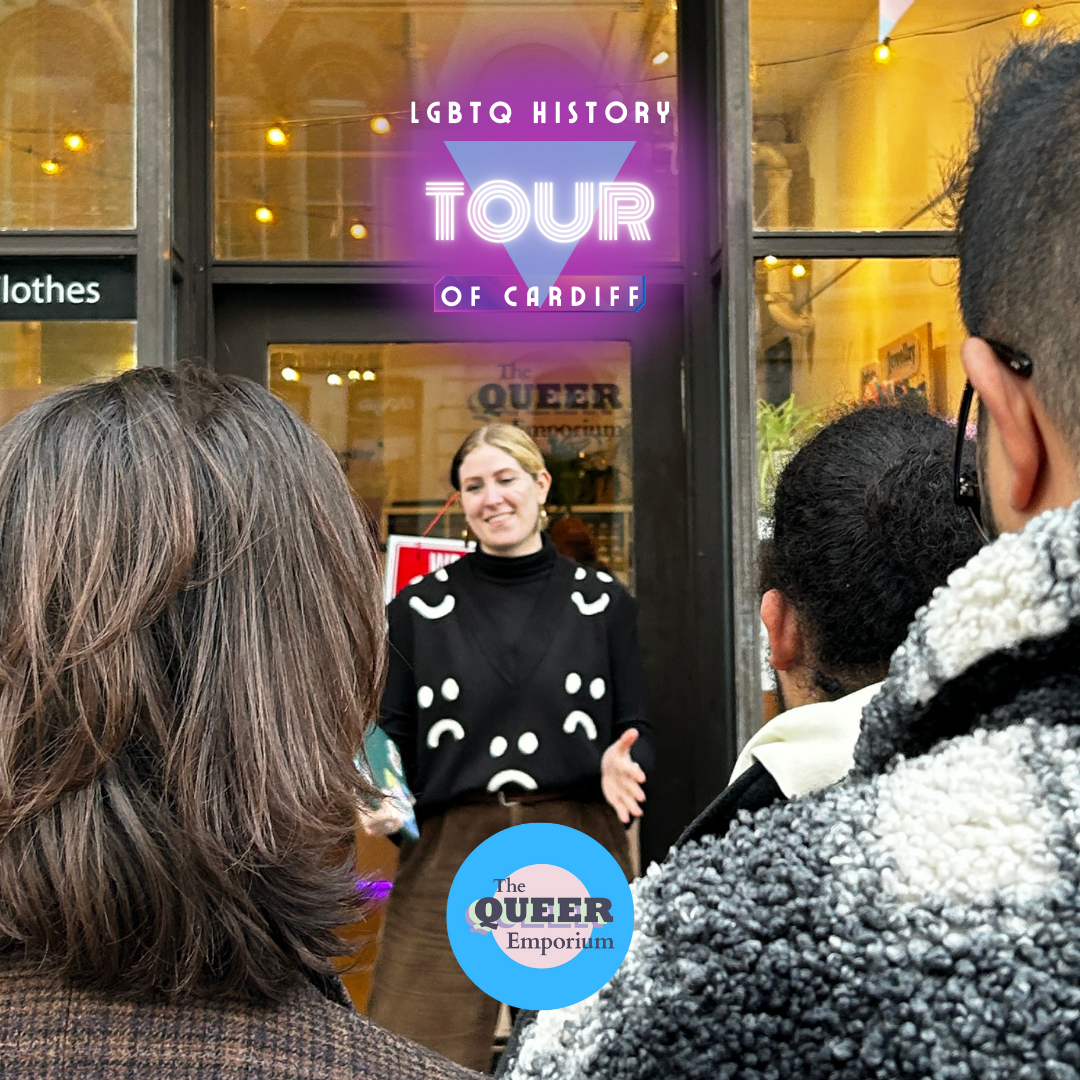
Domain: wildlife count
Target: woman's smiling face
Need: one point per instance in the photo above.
(502, 502)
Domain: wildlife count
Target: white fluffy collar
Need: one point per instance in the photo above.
(809, 747)
(1024, 587)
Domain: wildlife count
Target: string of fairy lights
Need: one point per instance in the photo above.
(334, 378)
(278, 135)
(882, 50)
(1029, 18)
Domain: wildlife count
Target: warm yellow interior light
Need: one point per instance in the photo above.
(276, 136)
(74, 142)
(882, 52)
(50, 167)
(354, 374)
(798, 270)
(357, 231)
(380, 125)
(334, 379)
(662, 56)
(771, 260)
(264, 215)
(1030, 17)
(368, 375)
(290, 374)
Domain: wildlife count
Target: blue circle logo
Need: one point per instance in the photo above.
(540, 916)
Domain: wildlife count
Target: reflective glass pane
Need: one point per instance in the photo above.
(833, 332)
(67, 115)
(37, 358)
(850, 136)
(312, 106)
(395, 414)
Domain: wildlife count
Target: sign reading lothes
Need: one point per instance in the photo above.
(540, 916)
(74, 289)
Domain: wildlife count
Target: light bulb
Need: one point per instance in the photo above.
(661, 57)
(290, 374)
(357, 231)
(882, 52)
(798, 270)
(380, 125)
(74, 142)
(50, 167)
(264, 215)
(354, 374)
(771, 261)
(368, 375)
(334, 379)
(1031, 17)
(276, 136)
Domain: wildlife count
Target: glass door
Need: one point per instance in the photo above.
(394, 414)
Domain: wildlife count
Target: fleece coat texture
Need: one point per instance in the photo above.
(921, 918)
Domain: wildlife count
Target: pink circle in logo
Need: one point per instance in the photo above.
(537, 942)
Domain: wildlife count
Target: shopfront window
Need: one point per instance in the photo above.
(67, 115)
(847, 135)
(38, 358)
(837, 332)
(312, 106)
(394, 414)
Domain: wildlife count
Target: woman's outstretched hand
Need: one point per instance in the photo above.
(621, 777)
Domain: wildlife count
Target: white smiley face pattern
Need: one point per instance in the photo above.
(528, 742)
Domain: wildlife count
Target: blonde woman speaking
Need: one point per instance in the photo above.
(515, 694)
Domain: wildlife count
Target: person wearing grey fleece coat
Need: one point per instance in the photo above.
(919, 918)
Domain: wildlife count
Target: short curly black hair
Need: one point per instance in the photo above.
(864, 529)
(1016, 203)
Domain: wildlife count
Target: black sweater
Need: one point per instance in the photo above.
(512, 673)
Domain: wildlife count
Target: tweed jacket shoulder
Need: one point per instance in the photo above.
(921, 918)
(49, 1032)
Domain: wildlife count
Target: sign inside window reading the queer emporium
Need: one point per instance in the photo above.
(539, 191)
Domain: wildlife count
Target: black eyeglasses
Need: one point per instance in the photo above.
(965, 486)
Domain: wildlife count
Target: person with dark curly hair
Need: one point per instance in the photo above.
(864, 530)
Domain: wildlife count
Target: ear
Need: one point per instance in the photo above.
(782, 625)
(543, 481)
(1007, 398)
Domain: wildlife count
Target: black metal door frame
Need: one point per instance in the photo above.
(251, 317)
(693, 551)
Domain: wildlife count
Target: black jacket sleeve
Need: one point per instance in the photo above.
(398, 711)
(628, 681)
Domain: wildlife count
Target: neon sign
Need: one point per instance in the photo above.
(621, 203)
(605, 293)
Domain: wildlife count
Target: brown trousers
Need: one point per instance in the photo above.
(419, 990)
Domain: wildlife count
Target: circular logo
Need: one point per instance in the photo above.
(540, 916)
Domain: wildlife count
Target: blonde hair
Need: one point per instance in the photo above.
(506, 437)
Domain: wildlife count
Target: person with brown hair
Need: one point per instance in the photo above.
(515, 694)
(574, 539)
(191, 649)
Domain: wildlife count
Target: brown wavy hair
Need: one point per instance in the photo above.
(191, 651)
